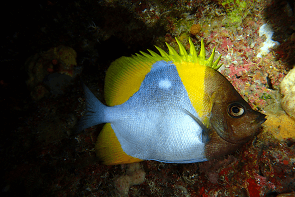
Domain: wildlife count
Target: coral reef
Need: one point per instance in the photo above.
(287, 88)
(266, 30)
(195, 29)
(280, 125)
(50, 71)
(43, 156)
(134, 176)
(236, 11)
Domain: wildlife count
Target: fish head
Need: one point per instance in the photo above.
(232, 120)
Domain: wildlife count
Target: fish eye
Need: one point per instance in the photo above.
(236, 110)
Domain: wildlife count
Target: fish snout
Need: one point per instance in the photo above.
(260, 119)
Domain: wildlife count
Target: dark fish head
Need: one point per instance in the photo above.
(232, 120)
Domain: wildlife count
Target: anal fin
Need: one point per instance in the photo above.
(109, 150)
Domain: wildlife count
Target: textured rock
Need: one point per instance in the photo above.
(288, 92)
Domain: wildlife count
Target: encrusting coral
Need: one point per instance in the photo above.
(134, 176)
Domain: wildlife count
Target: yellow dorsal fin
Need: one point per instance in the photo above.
(202, 54)
(108, 148)
(182, 50)
(193, 51)
(126, 74)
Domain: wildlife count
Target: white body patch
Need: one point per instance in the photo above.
(164, 84)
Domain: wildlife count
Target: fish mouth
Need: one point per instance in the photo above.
(260, 119)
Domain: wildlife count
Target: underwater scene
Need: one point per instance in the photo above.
(108, 98)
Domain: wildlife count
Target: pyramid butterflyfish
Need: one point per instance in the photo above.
(170, 107)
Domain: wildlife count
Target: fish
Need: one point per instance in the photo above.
(170, 107)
